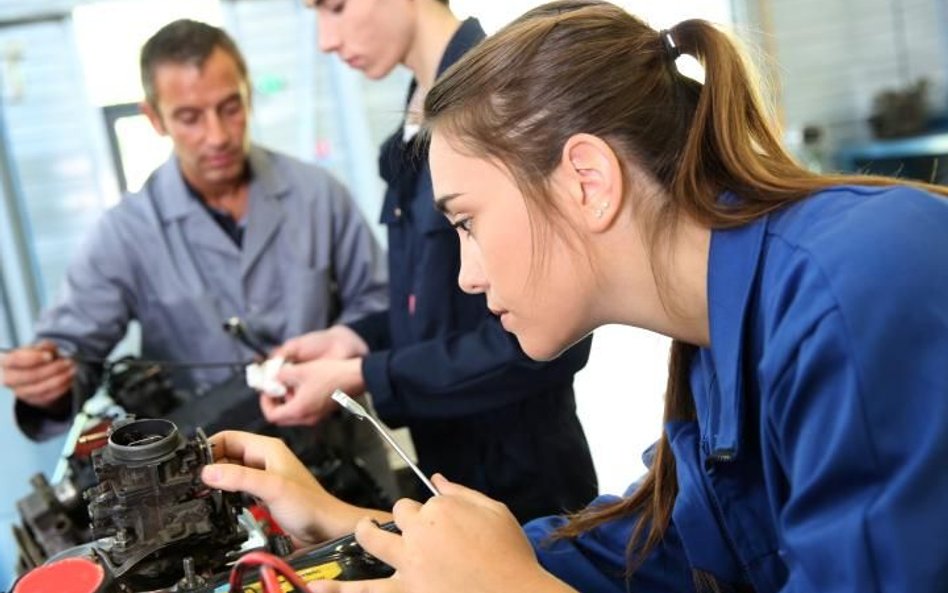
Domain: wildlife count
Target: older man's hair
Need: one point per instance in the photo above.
(184, 42)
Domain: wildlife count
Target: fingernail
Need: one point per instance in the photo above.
(210, 474)
(47, 356)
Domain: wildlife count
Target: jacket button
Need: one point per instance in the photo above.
(398, 212)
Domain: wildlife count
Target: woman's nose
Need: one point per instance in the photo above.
(471, 278)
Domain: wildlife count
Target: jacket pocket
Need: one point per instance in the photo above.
(311, 300)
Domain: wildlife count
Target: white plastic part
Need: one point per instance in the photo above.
(262, 376)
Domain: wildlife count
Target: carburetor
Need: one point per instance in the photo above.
(150, 511)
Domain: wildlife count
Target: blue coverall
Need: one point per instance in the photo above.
(819, 458)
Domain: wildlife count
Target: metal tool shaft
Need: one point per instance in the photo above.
(361, 413)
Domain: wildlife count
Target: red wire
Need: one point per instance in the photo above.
(271, 584)
(270, 566)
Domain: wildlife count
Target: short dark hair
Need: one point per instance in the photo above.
(184, 41)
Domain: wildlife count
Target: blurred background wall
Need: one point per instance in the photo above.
(857, 85)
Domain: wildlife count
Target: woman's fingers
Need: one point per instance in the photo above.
(252, 450)
(405, 512)
(389, 585)
(238, 478)
(449, 488)
(384, 545)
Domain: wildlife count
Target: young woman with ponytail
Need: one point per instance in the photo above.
(806, 420)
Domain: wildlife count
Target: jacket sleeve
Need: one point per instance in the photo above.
(359, 265)
(374, 329)
(461, 374)
(859, 419)
(89, 318)
(598, 559)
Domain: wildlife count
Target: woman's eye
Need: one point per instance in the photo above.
(463, 224)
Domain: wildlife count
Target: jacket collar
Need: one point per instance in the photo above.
(264, 211)
(174, 202)
(469, 34)
(398, 165)
(732, 271)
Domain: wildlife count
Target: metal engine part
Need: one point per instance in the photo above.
(145, 391)
(151, 511)
(53, 520)
(54, 517)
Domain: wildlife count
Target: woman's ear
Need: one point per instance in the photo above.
(593, 177)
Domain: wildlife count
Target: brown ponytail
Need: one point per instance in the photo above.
(655, 496)
(584, 66)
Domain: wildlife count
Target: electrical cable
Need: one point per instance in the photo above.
(266, 563)
(88, 369)
(143, 362)
(268, 576)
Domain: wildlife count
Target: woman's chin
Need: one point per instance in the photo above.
(540, 351)
(545, 348)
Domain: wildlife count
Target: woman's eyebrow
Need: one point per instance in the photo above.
(441, 203)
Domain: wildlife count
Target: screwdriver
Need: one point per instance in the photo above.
(237, 328)
(361, 413)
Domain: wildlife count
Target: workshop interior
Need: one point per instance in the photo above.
(859, 87)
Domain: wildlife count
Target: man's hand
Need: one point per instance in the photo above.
(336, 342)
(37, 376)
(265, 468)
(310, 386)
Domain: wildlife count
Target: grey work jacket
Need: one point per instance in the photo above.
(308, 260)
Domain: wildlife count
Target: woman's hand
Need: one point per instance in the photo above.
(265, 468)
(461, 541)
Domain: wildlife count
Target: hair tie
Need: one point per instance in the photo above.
(671, 48)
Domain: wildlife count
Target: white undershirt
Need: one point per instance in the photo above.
(413, 115)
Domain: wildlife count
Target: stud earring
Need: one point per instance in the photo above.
(601, 209)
